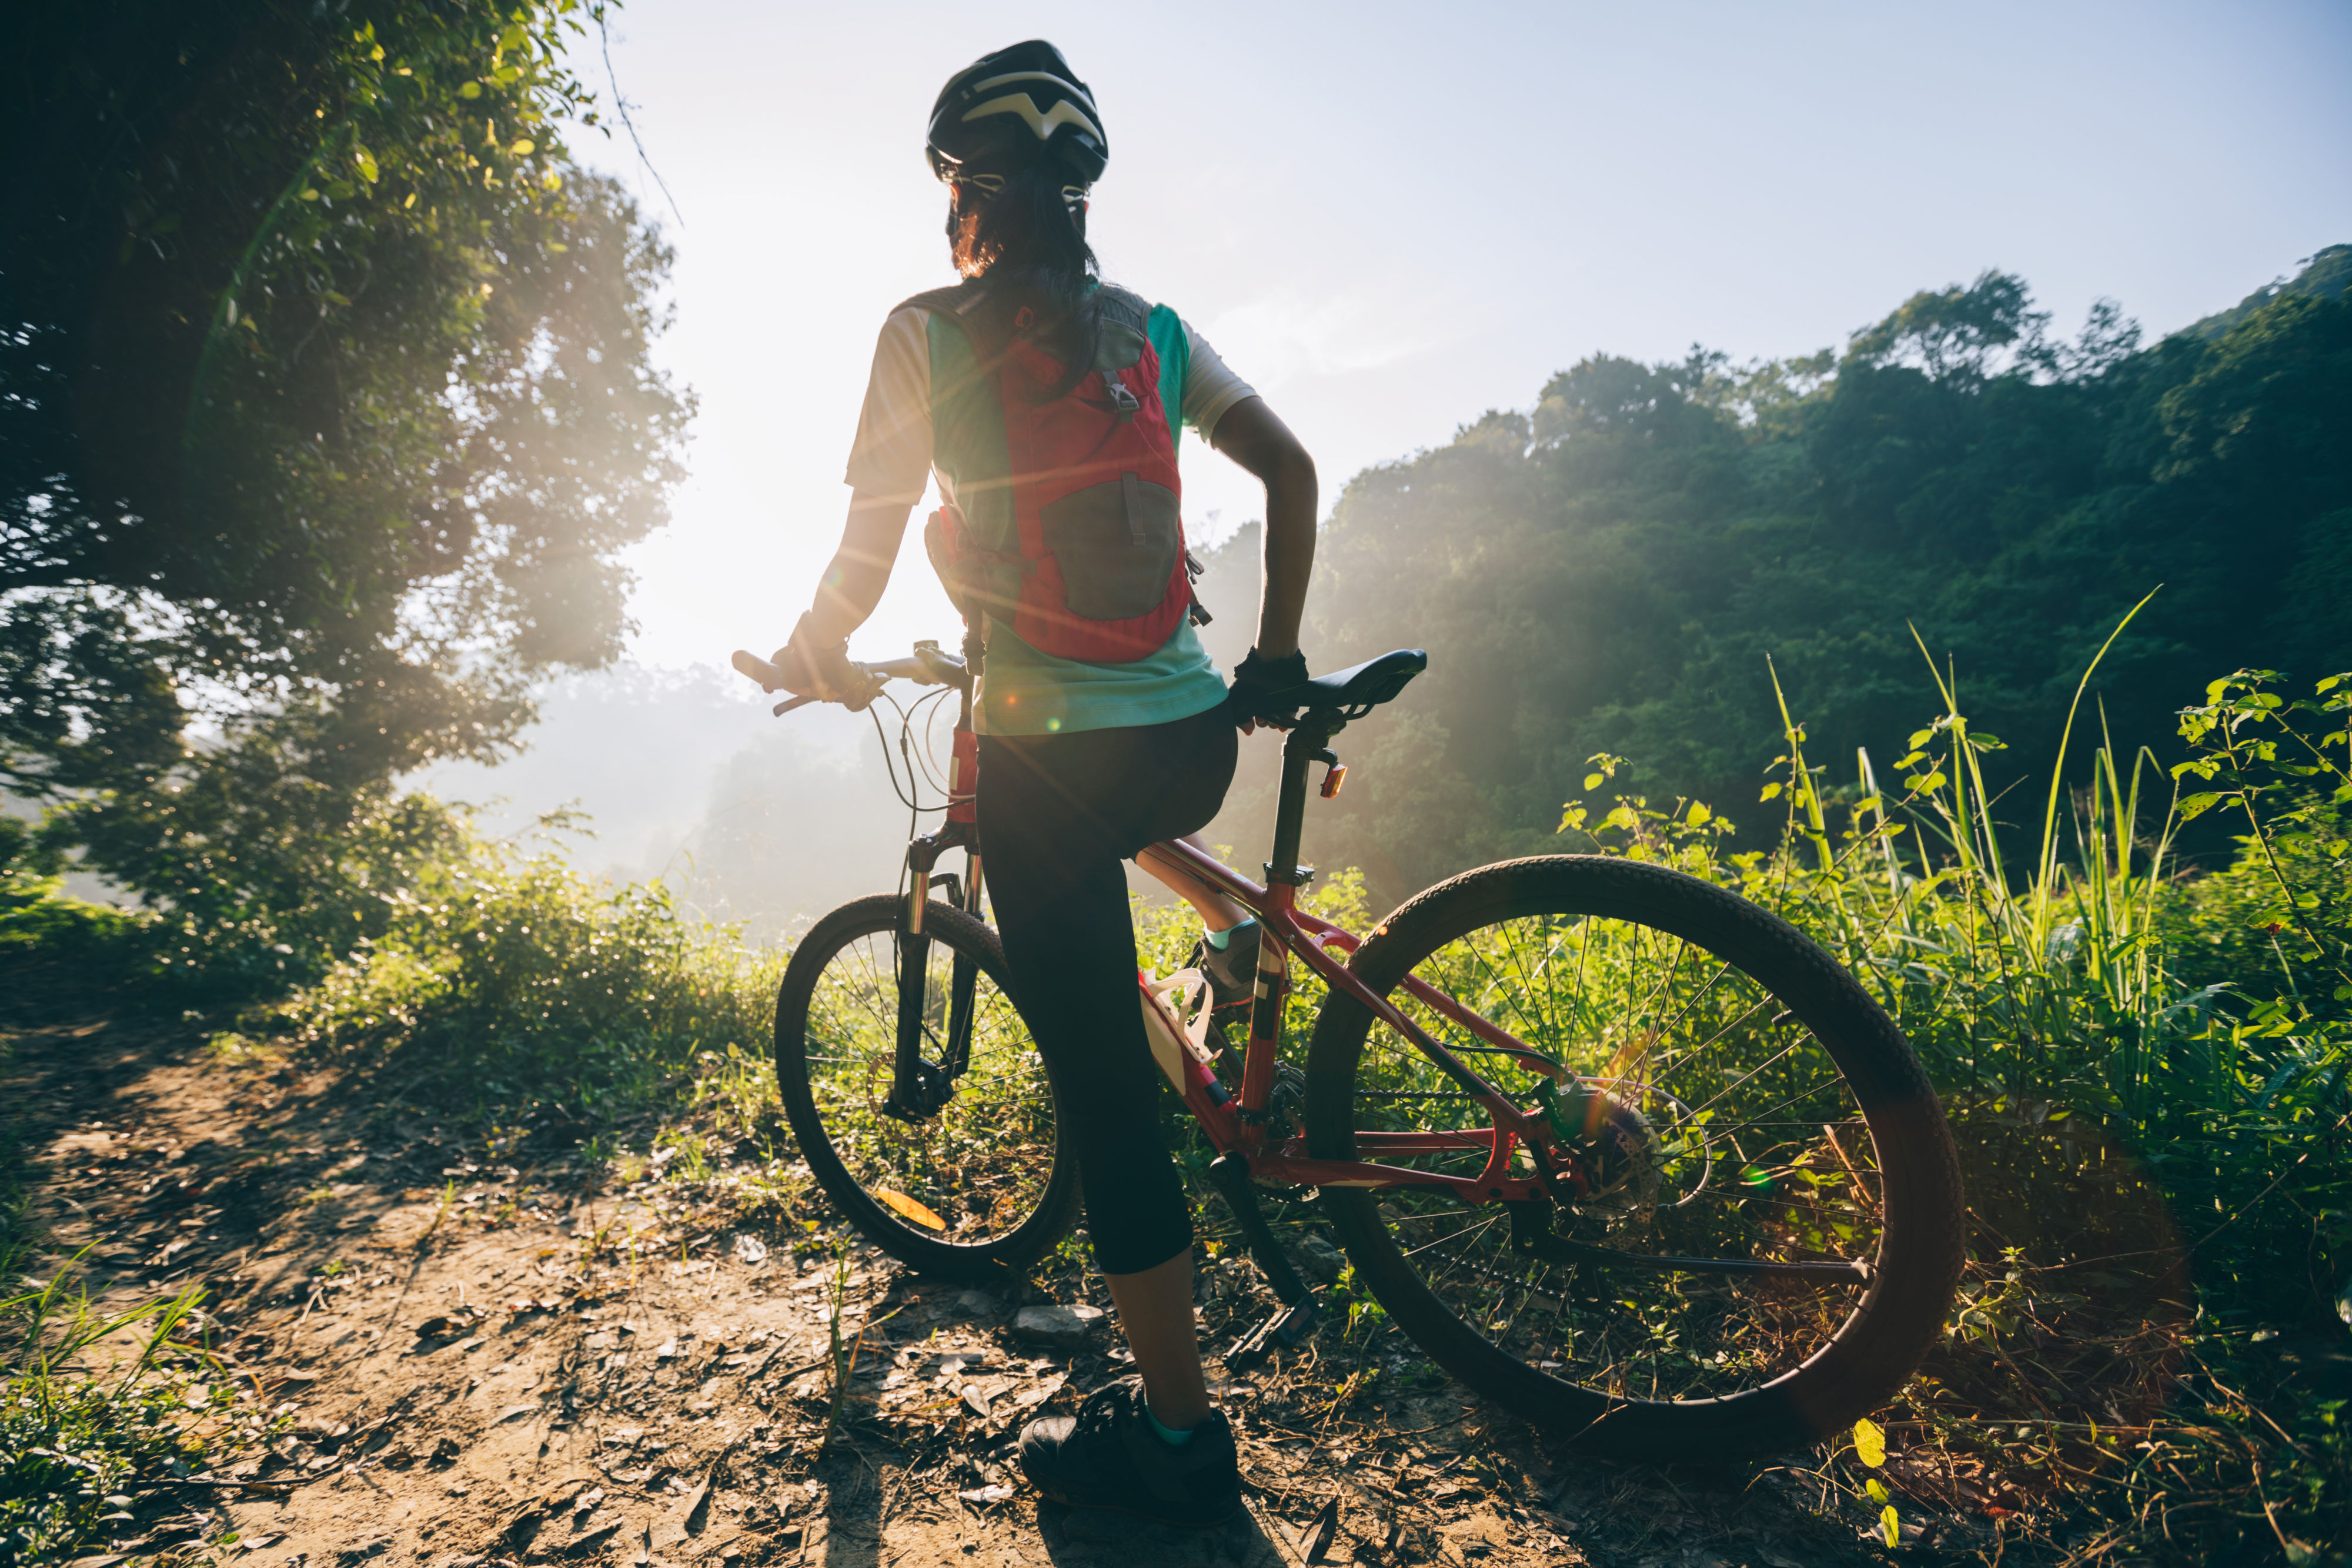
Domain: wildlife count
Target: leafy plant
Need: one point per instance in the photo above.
(2147, 1076)
(87, 1448)
(504, 976)
(325, 412)
(2302, 842)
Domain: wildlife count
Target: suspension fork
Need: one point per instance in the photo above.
(963, 816)
(919, 1089)
(962, 983)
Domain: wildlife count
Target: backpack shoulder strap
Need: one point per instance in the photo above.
(1123, 316)
(1123, 306)
(954, 300)
(958, 300)
(959, 303)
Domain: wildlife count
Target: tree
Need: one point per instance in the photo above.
(325, 398)
(1613, 574)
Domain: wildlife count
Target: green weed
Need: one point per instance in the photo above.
(91, 1443)
(2145, 1066)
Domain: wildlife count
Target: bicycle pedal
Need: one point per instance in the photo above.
(1285, 1329)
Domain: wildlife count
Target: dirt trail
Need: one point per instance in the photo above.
(500, 1363)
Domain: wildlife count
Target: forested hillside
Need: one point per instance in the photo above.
(1613, 573)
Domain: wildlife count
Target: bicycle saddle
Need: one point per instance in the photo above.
(1363, 686)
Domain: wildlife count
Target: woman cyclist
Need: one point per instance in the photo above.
(1047, 404)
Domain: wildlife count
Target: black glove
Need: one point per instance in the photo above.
(1256, 697)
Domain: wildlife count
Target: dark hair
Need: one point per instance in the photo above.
(1030, 250)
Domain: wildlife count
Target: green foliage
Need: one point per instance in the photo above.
(328, 406)
(29, 866)
(35, 917)
(2137, 1068)
(498, 976)
(267, 877)
(2293, 877)
(1611, 573)
(89, 1444)
(53, 926)
(2235, 927)
(2064, 992)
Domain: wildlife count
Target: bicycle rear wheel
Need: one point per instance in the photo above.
(1773, 1225)
(978, 1187)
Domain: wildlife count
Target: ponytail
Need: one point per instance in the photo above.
(1029, 248)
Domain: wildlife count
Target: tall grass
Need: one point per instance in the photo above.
(95, 1433)
(2046, 984)
(2146, 1069)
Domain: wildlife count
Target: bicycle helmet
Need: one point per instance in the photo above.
(1018, 104)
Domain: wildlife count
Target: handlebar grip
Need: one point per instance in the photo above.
(759, 669)
(772, 679)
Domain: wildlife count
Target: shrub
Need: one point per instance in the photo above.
(87, 1451)
(495, 976)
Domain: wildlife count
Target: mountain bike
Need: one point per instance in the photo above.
(1627, 1154)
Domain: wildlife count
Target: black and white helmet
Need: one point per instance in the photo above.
(1017, 105)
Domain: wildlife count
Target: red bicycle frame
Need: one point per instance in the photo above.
(1241, 1124)
(1250, 1148)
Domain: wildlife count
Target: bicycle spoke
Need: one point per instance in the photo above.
(1645, 1314)
(967, 1174)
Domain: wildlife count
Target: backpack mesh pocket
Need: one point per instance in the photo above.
(1118, 543)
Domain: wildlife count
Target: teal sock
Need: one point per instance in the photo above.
(1173, 1438)
(1218, 939)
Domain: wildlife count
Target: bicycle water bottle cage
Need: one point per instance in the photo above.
(923, 1099)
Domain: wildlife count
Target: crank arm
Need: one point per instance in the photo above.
(1299, 1309)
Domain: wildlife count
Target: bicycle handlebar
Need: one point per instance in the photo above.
(926, 666)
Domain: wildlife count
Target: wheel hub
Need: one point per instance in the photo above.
(1608, 1147)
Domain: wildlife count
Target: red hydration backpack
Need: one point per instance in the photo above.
(1063, 522)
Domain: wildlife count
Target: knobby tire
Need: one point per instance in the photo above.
(990, 1262)
(1900, 1311)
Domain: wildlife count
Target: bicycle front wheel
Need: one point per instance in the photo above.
(1770, 1227)
(981, 1185)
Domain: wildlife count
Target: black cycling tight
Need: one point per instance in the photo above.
(1057, 814)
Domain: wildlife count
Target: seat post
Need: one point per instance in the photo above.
(1311, 735)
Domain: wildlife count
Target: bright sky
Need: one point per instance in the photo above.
(1392, 218)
